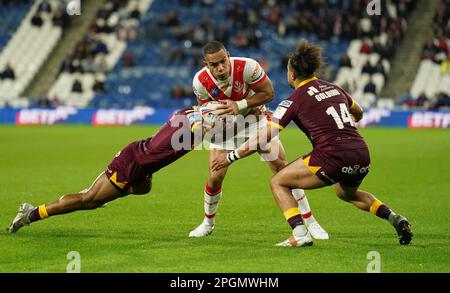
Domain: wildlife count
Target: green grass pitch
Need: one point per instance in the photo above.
(410, 172)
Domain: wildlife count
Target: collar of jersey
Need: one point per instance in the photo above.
(306, 81)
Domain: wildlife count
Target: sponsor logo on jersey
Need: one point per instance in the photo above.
(312, 91)
(214, 90)
(257, 72)
(285, 103)
(238, 86)
(279, 112)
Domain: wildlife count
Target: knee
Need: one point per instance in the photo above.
(275, 182)
(279, 164)
(216, 180)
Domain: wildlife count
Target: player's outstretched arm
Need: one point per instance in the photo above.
(258, 142)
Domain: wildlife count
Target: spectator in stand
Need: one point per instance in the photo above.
(128, 59)
(365, 48)
(44, 6)
(177, 92)
(8, 73)
(43, 101)
(77, 86)
(370, 87)
(422, 100)
(368, 68)
(99, 86)
(406, 99)
(178, 56)
(344, 61)
(135, 13)
(379, 68)
(169, 19)
(429, 49)
(37, 20)
(441, 101)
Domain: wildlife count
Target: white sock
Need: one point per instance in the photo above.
(299, 231)
(212, 198)
(303, 204)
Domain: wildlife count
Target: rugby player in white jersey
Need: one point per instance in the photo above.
(244, 87)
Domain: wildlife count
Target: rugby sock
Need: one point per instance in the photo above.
(383, 211)
(38, 213)
(303, 204)
(293, 217)
(212, 198)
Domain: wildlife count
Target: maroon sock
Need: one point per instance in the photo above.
(295, 221)
(384, 212)
(34, 215)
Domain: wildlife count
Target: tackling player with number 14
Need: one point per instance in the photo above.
(340, 156)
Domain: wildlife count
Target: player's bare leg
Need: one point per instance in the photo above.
(293, 176)
(100, 192)
(212, 196)
(275, 156)
(367, 202)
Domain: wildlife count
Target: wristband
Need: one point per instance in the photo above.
(233, 156)
(242, 104)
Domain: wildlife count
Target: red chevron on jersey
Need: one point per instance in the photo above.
(211, 86)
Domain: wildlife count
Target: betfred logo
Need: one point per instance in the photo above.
(121, 117)
(429, 120)
(44, 116)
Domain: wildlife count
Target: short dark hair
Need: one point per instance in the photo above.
(306, 59)
(213, 47)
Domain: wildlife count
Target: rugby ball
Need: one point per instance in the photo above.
(209, 112)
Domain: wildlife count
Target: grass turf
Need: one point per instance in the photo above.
(410, 172)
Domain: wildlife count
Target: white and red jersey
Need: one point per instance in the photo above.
(246, 74)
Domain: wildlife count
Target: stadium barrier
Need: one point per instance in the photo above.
(148, 115)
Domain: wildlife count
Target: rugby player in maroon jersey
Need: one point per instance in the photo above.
(130, 171)
(340, 156)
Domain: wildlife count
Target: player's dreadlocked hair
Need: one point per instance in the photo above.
(213, 47)
(306, 59)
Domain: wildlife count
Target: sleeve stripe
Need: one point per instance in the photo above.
(353, 104)
(255, 84)
(271, 123)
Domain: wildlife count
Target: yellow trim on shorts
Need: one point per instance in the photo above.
(271, 123)
(306, 81)
(313, 169)
(291, 213)
(113, 179)
(43, 211)
(374, 207)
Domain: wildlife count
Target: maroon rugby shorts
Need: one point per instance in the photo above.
(345, 166)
